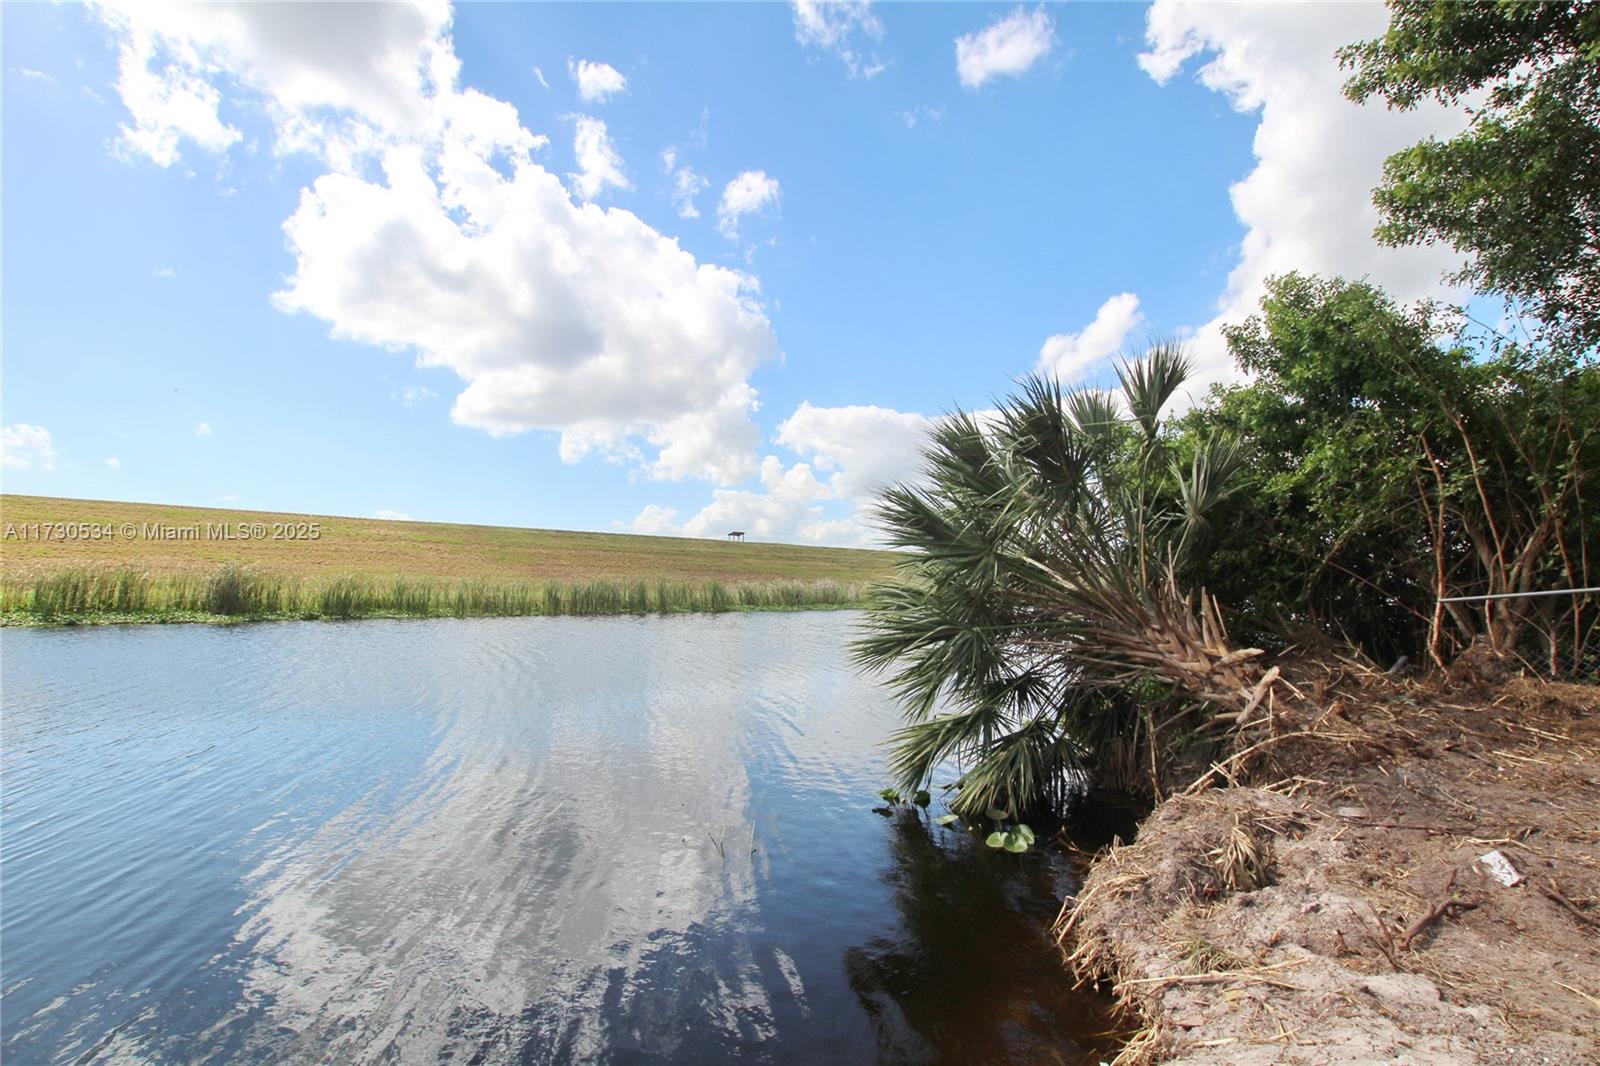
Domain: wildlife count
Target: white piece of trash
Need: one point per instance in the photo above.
(1500, 868)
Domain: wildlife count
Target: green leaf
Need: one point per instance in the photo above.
(889, 795)
(996, 839)
(1015, 843)
(1025, 833)
(947, 819)
(995, 814)
(922, 798)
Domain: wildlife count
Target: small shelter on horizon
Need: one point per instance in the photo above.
(737, 534)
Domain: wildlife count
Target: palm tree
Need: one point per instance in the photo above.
(1042, 601)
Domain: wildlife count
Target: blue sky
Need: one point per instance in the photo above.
(441, 263)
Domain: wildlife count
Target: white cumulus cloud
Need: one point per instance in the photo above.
(655, 519)
(861, 448)
(435, 231)
(561, 317)
(749, 193)
(373, 65)
(22, 447)
(202, 429)
(841, 28)
(113, 463)
(596, 82)
(787, 507)
(1307, 210)
(599, 165)
(686, 184)
(1010, 46)
(847, 455)
(391, 516)
(1068, 357)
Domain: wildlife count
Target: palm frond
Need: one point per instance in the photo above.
(1094, 412)
(1029, 604)
(1148, 383)
(1212, 478)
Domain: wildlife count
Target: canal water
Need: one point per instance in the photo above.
(500, 840)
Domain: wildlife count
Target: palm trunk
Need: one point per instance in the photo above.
(1190, 648)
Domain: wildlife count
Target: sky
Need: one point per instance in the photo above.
(648, 268)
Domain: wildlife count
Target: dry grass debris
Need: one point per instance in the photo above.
(1318, 897)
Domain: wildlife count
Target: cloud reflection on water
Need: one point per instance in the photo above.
(498, 841)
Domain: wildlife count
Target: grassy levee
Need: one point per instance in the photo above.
(363, 568)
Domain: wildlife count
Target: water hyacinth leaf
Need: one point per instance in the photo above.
(1015, 843)
(1025, 833)
(947, 819)
(922, 798)
(996, 839)
(889, 795)
(995, 814)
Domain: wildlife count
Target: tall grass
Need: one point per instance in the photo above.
(102, 594)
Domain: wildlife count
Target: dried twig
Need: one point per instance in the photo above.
(1229, 767)
(1445, 908)
(1260, 974)
(1383, 939)
(1553, 891)
(1593, 1002)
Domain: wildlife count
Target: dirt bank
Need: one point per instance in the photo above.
(1334, 908)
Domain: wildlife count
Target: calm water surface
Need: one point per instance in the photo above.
(525, 840)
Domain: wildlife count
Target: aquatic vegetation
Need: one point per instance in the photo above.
(1016, 838)
(90, 594)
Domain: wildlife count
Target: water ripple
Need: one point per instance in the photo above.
(531, 840)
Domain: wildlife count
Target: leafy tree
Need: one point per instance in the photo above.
(1324, 535)
(1045, 592)
(1389, 471)
(1519, 190)
(1062, 548)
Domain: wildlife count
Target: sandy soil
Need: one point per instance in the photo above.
(1331, 906)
